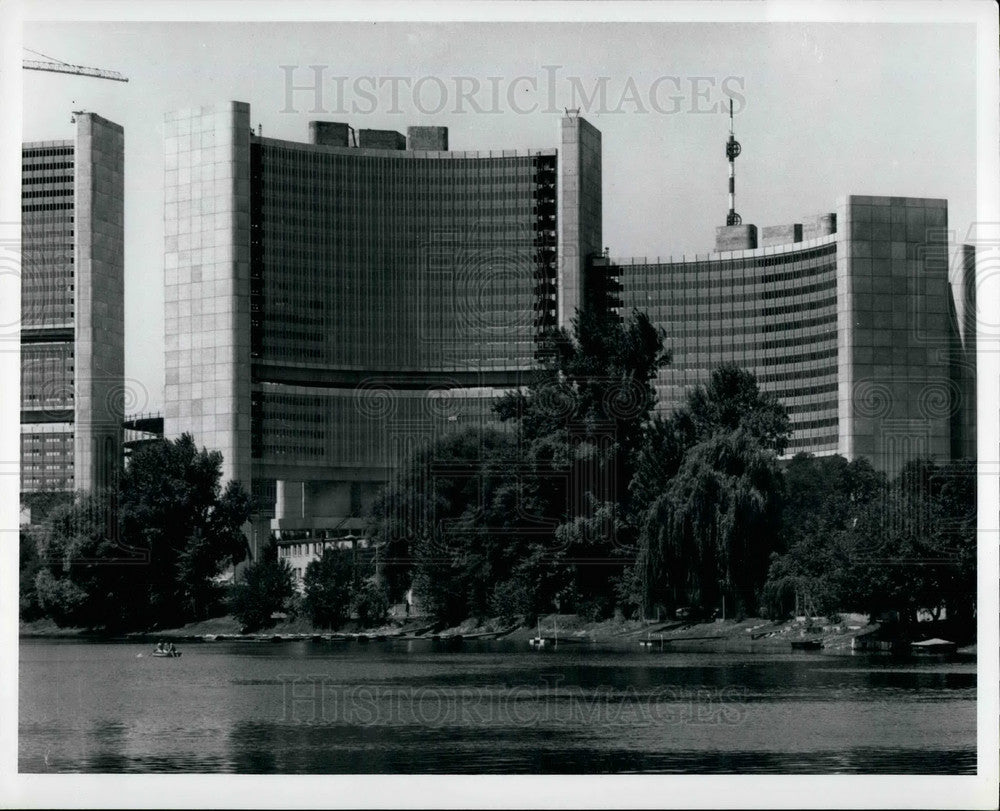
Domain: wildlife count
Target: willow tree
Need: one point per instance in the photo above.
(712, 482)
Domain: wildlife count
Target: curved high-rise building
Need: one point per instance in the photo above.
(848, 318)
(331, 305)
(774, 314)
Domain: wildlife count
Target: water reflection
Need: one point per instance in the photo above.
(415, 707)
(107, 747)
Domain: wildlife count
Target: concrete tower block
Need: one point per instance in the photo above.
(781, 234)
(579, 213)
(735, 238)
(820, 226)
(328, 133)
(381, 139)
(430, 139)
(99, 243)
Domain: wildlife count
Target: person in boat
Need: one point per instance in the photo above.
(171, 649)
(159, 648)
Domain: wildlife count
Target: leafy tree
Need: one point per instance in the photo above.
(435, 523)
(955, 492)
(42, 503)
(149, 553)
(29, 567)
(370, 603)
(710, 477)
(511, 599)
(660, 457)
(730, 401)
(523, 520)
(580, 425)
(173, 508)
(916, 548)
(266, 587)
(329, 585)
(62, 600)
(824, 499)
(710, 533)
(857, 542)
(594, 389)
(85, 570)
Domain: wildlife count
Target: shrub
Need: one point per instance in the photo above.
(267, 586)
(328, 589)
(370, 604)
(510, 599)
(59, 598)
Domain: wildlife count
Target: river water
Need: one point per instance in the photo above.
(487, 707)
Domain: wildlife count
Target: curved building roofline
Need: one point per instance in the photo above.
(404, 154)
(770, 250)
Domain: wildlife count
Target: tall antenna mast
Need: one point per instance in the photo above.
(732, 151)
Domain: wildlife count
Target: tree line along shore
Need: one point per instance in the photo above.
(581, 499)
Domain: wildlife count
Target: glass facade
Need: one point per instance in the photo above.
(47, 316)
(328, 308)
(383, 261)
(856, 332)
(72, 309)
(772, 312)
(393, 297)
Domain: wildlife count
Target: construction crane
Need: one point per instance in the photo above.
(58, 66)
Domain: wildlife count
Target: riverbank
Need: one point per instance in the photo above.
(749, 634)
(848, 633)
(746, 635)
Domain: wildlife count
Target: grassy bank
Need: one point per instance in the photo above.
(745, 635)
(46, 628)
(752, 633)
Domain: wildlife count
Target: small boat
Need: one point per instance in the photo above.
(933, 646)
(806, 644)
(166, 654)
(541, 641)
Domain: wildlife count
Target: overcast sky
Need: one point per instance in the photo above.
(822, 110)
